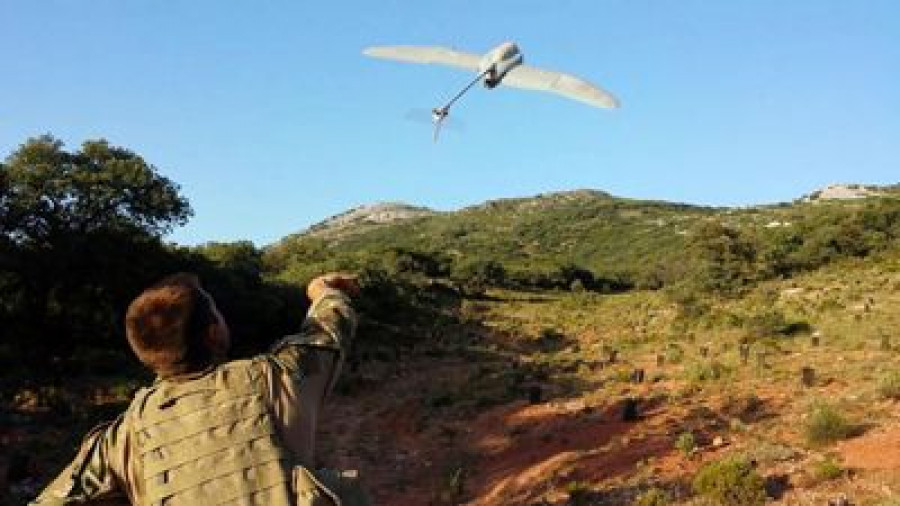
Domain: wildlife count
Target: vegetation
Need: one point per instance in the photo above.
(732, 482)
(653, 497)
(826, 425)
(889, 385)
(686, 443)
(80, 236)
(828, 469)
(597, 242)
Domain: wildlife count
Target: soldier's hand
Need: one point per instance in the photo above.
(345, 282)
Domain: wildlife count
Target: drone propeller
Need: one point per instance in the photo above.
(439, 122)
(426, 117)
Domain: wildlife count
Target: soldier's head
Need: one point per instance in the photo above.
(174, 327)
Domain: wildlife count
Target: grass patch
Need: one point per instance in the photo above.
(706, 371)
(889, 385)
(732, 482)
(826, 424)
(828, 470)
(653, 497)
(686, 443)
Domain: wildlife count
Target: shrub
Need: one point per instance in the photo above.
(826, 425)
(653, 497)
(579, 493)
(706, 371)
(674, 353)
(828, 469)
(731, 482)
(689, 303)
(686, 443)
(765, 323)
(577, 286)
(889, 385)
(474, 276)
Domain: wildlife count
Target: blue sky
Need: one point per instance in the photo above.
(270, 119)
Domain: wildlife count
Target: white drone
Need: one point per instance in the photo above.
(501, 65)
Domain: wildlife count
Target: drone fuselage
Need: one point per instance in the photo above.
(498, 62)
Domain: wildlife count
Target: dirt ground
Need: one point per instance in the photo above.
(549, 452)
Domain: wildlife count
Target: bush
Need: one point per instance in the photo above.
(474, 276)
(889, 385)
(653, 497)
(689, 303)
(686, 443)
(828, 469)
(731, 482)
(674, 353)
(706, 371)
(826, 425)
(579, 493)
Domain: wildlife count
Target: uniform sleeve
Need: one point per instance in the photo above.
(303, 368)
(95, 475)
(330, 325)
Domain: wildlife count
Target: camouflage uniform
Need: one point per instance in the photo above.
(232, 433)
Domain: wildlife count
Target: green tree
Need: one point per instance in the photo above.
(79, 234)
(241, 258)
(473, 277)
(407, 261)
(258, 310)
(727, 259)
(48, 193)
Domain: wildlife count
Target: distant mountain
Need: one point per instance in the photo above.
(365, 217)
(542, 200)
(585, 227)
(643, 239)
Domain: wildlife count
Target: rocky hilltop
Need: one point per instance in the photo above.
(365, 217)
(542, 200)
(372, 216)
(843, 192)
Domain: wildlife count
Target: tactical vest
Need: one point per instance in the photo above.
(211, 440)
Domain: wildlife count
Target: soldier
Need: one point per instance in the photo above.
(208, 431)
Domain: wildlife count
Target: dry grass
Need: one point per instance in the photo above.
(849, 308)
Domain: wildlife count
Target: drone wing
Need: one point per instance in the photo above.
(531, 78)
(425, 54)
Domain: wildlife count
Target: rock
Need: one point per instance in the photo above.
(841, 192)
(841, 500)
(534, 394)
(630, 410)
(356, 219)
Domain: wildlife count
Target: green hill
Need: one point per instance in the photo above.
(540, 241)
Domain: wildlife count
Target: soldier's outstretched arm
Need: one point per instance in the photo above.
(304, 367)
(94, 476)
(330, 324)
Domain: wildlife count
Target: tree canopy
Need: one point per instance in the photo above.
(48, 194)
(79, 233)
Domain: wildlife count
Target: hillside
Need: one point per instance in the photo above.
(584, 227)
(644, 243)
(768, 346)
(528, 402)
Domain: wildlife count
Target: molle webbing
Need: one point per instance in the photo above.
(211, 440)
